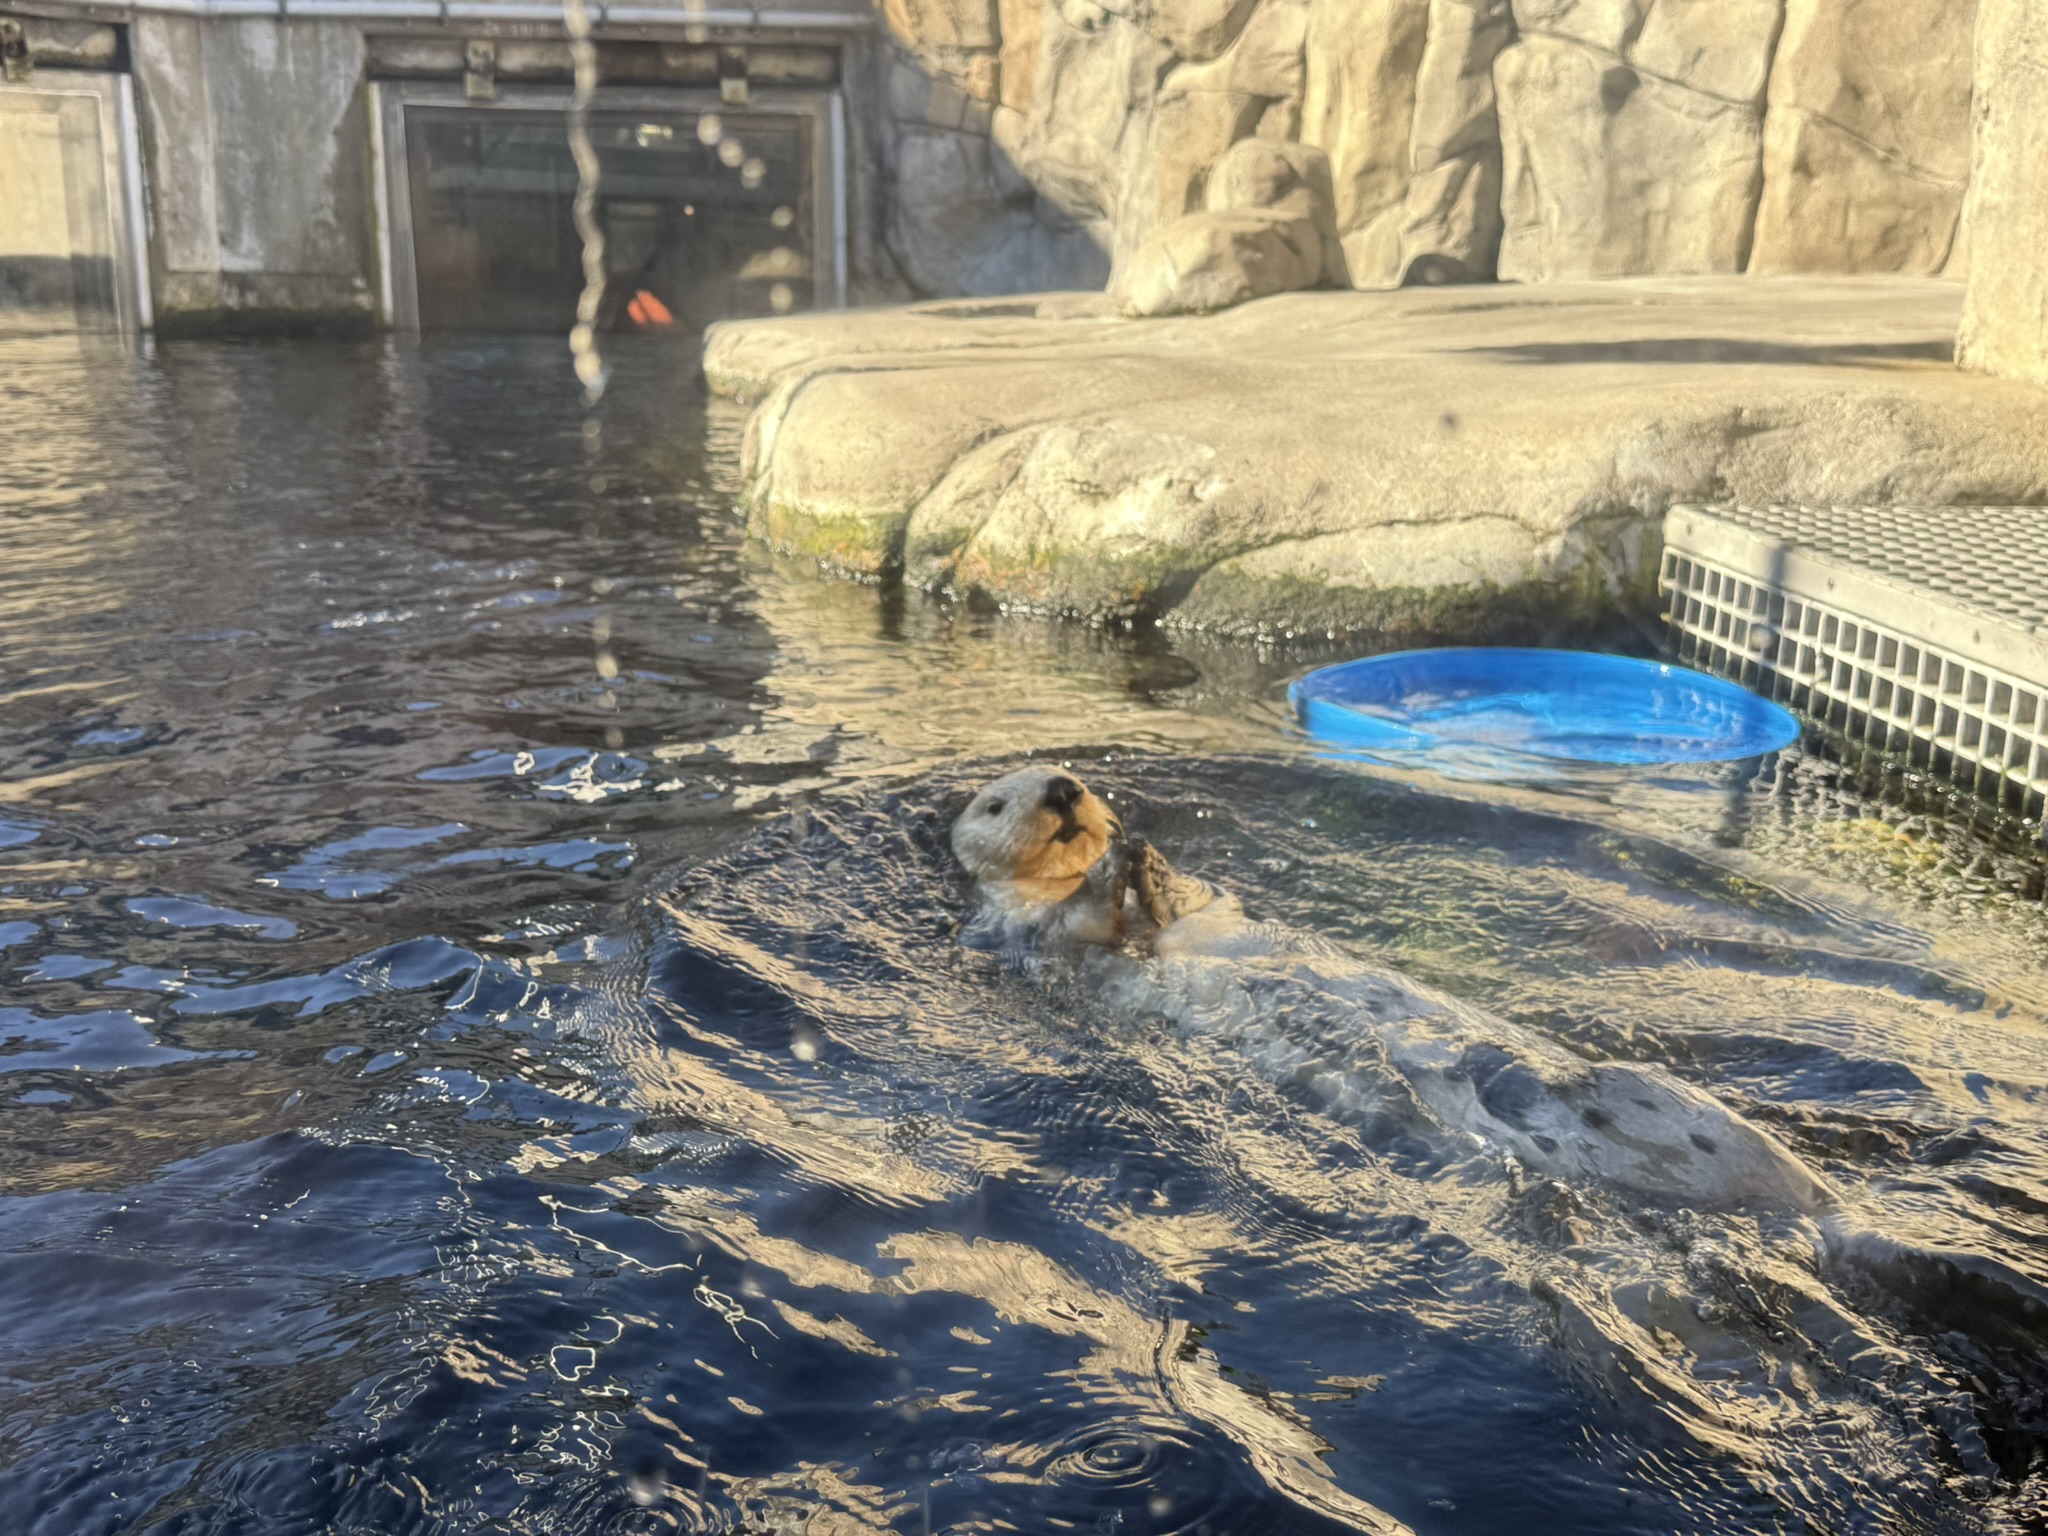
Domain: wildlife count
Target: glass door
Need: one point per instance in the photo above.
(706, 215)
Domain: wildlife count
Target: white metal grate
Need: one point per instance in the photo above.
(1921, 632)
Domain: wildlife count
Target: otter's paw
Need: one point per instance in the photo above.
(1163, 891)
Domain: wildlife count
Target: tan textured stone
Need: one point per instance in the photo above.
(1266, 227)
(1022, 24)
(1454, 106)
(1450, 216)
(1831, 205)
(1613, 137)
(2005, 319)
(1187, 134)
(1281, 120)
(1211, 261)
(1608, 171)
(1602, 24)
(983, 80)
(955, 229)
(918, 97)
(1402, 463)
(1867, 143)
(1267, 174)
(1265, 61)
(1400, 93)
(1090, 113)
(1358, 106)
(1198, 29)
(1450, 221)
(1721, 47)
(942, 23)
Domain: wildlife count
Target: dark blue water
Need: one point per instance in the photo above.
(483, 1046)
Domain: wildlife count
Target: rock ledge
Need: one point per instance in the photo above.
(1428, 463)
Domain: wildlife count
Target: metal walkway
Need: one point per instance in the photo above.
(1920, 631)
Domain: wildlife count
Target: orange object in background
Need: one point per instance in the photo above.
(646, 309)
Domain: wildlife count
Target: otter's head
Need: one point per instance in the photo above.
(1037, 828)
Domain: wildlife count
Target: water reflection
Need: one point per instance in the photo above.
(483, 1046)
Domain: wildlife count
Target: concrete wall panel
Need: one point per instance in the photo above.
(176, 127)
(256, 139)
(292, 155)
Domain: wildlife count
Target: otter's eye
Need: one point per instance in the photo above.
(993, 808)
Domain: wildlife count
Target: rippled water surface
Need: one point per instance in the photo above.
(485, 1047)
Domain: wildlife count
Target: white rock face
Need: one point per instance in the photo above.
(2005, 319)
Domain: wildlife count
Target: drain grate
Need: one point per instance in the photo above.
(1919, 631)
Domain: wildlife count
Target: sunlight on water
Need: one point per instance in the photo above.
(486, 1046)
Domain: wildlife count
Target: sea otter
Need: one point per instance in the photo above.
(1051, 870)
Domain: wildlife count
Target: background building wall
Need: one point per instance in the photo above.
(256, 138)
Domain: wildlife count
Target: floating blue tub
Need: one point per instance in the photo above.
(1576, 706)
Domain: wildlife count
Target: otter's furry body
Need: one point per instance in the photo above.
(1367, 1041)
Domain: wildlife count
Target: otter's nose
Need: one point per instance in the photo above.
(1063, 794)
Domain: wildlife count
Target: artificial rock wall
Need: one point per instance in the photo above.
(2005, 315)
(1041, 143)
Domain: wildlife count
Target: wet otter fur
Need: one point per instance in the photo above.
(1044, 853)
(1049, 868)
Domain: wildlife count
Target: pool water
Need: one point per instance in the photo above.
(484, 1045)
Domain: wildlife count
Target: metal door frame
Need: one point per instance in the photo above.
(398, 294)
(121, 167)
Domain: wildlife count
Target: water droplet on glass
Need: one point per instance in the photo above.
(709, 129)
(783, 217)
(781, 298)
(731, 152)
(753, 173)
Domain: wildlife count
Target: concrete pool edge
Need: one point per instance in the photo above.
(1446, 464)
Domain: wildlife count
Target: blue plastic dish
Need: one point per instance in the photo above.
(1577, 706)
